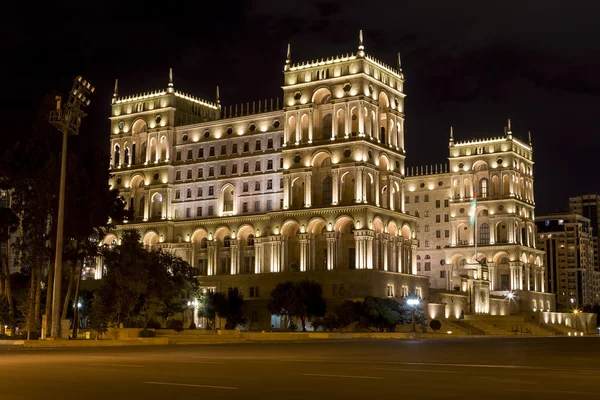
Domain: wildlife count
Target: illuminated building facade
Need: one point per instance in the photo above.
(312, 187)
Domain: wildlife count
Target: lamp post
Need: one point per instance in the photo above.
(413, 302)
(67, 119)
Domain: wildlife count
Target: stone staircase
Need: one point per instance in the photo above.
(502, 326)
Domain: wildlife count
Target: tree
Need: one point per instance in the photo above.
(228, 306)
(207, 308)
(302, 300)
(435, 325)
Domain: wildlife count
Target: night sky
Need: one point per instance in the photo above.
(469, 64)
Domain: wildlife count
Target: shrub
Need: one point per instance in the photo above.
(435, 324)
(153, 324)
(146, 333)
(175, 324)
(134, 322)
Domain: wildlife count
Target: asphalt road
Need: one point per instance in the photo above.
(547, 368)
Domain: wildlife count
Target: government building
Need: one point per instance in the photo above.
(314, 186)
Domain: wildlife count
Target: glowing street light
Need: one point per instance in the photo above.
(413, 302)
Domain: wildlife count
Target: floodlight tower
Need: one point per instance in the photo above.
(67, 119)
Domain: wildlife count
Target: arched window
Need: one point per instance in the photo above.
(141, 209)
(204, 243)
(484, 233)
(126, 154)
(382, 135)
(228, 199)
(250, 240)
(483, 187)
(327, 190)
(117, 155)
(226, 241)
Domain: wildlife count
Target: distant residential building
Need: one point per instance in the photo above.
(572, 274)
(587, 205)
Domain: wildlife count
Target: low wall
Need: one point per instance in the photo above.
(95, 343)
(122, 333)
(11, 342)
(584, 322)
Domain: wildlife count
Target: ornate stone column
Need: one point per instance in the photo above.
(376, 179)
(211, 248)
(402, 198)
(335, 178)
(364, 184)
(307, 189)
(331, 240)
(400, 259)
(359, 184)
(276, 246)
(492, 275)
(543, 280)
(258, 255)
(363, 239)
(385, 240)
(298, 128)
(448, 268)
(304, 251)
(310, 125)
(391, 192)
(99, 267)
(361, 120)
(235, 259)
(147, 201)
(413, 255)
(286, 191)
(527, 277)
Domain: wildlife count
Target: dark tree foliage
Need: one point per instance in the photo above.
(228, 306)
(302, 300)
(435, 325)
(140, 284)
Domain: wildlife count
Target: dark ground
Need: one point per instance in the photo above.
(545, 368)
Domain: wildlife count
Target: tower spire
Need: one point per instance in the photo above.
(116, 91)
(399, 63)
(288, 58)
(170, 86)
(529, 134)
(361, 44)
(509, 131)
(218, 97)
(451, 136)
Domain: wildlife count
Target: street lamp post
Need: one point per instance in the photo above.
(413, 302)
(67, 119)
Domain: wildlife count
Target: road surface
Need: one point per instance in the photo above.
(529, 368)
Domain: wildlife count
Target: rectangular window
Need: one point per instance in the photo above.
(427, 266)
(269, 205)
(426, 198)
(201, 152)
(269, 184)
(245, 207)
(446, 217)
(223, 170)
(188, 212)
(406, 199)
(223, 149)
(211, 151)
(442, 274)
(234, 169)
(342, 290)
(245, 167)
(390, 290)
(334, 290)
(280, 163)
(438, 219)
(417, 214)
(281, 141)
(234, 148)
(198, 211)
(190, 154)
(189, 194)
(427, 214)
(199, 192)
(446, 202)
(437, 204)
(258, 145)
(256, 206)
(257, 166)
(210, 211)
(257, 185)
(177, 194)
(269, 143)
(427, 228)
(269, 165)
(178, 175)
(426, 243)
(189, 174)
(281, 184)
(416, 199)
(447, 233)
(200, 173)
(178, 157)
(211, 171)
(245, 187)
(211, 190)
(246, 147)
(281, 204)
(438, 234)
